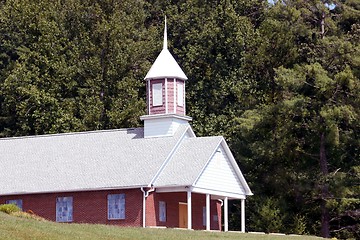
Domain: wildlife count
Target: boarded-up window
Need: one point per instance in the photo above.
(180, 94)
(204, 216)
(17, 202)
(157, 94)
(64, 209)
(116, 206)
(162, 211)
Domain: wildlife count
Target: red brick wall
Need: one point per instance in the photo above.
(152, 211)
(88, 207)
(91, 207)
(218, 225)
(172, 210)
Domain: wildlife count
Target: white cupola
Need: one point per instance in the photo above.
(165, 90)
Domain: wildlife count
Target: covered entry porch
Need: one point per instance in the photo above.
(195, 208)
(207, 177)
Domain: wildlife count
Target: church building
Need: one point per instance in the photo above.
(161, 175)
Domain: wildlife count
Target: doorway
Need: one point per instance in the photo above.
(183, 216)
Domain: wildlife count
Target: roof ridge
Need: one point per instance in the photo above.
(219, 136)
(68, 133)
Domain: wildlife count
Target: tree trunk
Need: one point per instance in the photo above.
(325, 217)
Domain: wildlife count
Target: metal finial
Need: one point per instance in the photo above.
(165, 36)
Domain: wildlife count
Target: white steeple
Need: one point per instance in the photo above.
(165, 95)
(165, 66)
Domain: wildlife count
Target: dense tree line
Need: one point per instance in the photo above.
(280, 81)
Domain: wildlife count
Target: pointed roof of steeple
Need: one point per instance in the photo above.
(165, 66)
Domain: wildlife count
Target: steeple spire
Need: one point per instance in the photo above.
(165, 88)
(165, 66)
(165, 36)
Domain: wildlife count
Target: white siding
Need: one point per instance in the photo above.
(219, 175)
(162, 126)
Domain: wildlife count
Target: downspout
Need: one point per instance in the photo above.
(145, 195)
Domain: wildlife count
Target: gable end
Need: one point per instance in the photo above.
(221, 173)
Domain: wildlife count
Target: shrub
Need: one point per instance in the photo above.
(269, 217)
(9, 208)
(299, 225)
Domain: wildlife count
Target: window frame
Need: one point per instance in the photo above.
(204, 216)
(64, 209)
(157, 94)
(180, 94)
(114, 202)
(162, 211)
(17, 202)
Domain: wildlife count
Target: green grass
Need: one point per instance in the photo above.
(15, 227)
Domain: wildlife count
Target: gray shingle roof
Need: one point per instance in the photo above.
(110, 159)
(82, 161)
(188, 161)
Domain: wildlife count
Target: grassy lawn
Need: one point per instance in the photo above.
(13, 228)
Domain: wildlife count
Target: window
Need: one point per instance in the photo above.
(64, 209)
(116, 206)
(180, 94)
(17, 202)
(157, 94)
(204, 216)
(162, 211)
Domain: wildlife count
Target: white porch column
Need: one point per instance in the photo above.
(189, 211)
(208, 212)
(226, 215)
(166, 96)
(148, 86)
(175, 93)
(243, 215)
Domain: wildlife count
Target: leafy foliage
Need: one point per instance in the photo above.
(269, 217)
(9, 208)
(281, 82)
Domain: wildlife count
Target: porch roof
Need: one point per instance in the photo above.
(188, 162)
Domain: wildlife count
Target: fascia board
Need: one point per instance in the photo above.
(167, 189)
(73, 190)
(218, 193)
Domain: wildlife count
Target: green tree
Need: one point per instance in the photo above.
(73, 65)
(302, 133)
(280, 82)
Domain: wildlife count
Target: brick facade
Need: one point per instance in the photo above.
(91, 207)
(88, 207)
